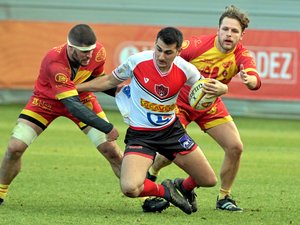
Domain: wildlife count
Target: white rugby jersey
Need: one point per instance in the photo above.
(153, 94)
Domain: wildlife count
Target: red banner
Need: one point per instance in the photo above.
(23, 44)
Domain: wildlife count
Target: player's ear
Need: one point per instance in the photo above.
(242, 35)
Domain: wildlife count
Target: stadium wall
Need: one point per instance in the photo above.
(276, 17)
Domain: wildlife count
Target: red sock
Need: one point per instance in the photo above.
(152, 189)
(189, 184)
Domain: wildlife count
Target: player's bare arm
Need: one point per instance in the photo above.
(99, 84)
(249, 80)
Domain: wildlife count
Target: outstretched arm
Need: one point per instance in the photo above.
(99, 84)
(87, 116)
(252, 81)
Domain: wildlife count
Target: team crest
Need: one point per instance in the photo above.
(161, 90)
(61, 78)
(185, 44)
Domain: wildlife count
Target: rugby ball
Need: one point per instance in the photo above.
(198, 99)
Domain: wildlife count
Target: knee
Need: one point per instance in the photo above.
(130, 190)
(235, 150)
(212, 181)
(209, 180)
(15, 150)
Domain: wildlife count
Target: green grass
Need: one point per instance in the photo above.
(64, 180)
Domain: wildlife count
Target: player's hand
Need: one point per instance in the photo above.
(215, 88)
(112, 135)
(243, 75)
(248, 80)
(119, 87)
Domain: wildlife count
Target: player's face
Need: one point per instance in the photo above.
(164, 55)
(229, 34)
(81, 57)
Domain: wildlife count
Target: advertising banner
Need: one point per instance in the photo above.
(23, 45)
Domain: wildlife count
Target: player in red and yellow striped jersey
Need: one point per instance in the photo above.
(219, 57)
(81, 59)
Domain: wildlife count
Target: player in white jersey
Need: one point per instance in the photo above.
(156, 79)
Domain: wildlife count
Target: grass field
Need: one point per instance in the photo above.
(65, 181)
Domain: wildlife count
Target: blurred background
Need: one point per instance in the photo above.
(29, 28)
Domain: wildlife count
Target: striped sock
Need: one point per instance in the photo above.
(3, 190)
(223, 193)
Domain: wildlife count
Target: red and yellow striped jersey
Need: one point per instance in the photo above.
(55, 77)
(203, 53)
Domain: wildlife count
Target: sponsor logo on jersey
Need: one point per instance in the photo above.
(126, 91)
(158, 119)
(101, 55)
(186, 142)
(135, 147)
(44, 105)
(146, 80)
(161, 90)
(157, 107)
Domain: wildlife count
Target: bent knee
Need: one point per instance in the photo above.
(130, 191)
(212, 181)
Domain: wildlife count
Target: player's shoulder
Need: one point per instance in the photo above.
(196, 45)
(184, 65)
(179, 60)
(196, 41)
(57, 50)
(242, 51)
(56, 54)
(99, 53)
